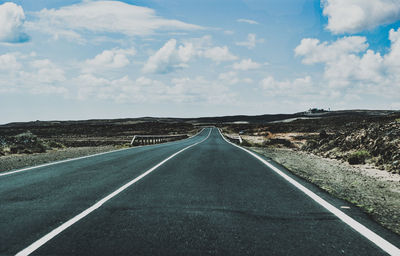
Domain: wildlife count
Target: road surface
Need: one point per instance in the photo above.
(199, 196)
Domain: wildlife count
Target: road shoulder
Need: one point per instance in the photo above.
(378, 195)
(17, 161)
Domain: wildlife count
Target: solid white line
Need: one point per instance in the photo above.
(364, 231)
(34, 246)
(78, 158)
(59, 162)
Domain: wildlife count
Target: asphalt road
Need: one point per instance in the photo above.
(212, 198)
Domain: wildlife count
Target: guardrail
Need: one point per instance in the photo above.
(235, 139)
(155, 139)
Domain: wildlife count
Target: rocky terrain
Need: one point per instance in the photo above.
(353, 155)
(39, 136)
(375, 191)
(33, 143)
(357, 139)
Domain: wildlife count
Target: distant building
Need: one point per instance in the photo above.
(316, 110)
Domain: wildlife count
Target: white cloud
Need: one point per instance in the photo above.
(8, 62)
(289, 88)
(105, 17)
(25, 73)
(199, 90)
(12, 19)
(44, 71)
(248, 80)
(168, 58)
(172, 56)
(109, 59)
(313, 51)
(144, 89)
(246, 64)
(229, 77)
(351, 16)
(251, 41)
(353, 68)
(219, 54)
(253, 22)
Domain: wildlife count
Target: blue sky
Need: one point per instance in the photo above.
(109, 59)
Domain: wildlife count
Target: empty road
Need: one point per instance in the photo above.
(199, 196)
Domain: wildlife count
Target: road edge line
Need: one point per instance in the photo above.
(78, 158)
(360, 228)
(44, 239)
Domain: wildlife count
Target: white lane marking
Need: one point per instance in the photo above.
(78, 158)
(364, 231)
(34, 246)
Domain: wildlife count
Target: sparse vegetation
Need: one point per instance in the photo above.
(278, 142)
(26, 142)
(246, 143)
(358, 157)
(356, 137)
(40, 136)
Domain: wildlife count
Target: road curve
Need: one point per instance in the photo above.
(207, 197)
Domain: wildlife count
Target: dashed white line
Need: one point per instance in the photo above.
(34, 246)
(364, 231)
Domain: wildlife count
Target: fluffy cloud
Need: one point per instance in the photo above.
(246, 64)
(24, 73)
(219, 54)
(295, 87)
(12, 19)
(105, 17)
(8, 62)
(252, 22)
(229, 77)
(199, 90)
(313, 51)
(351, 16)
(352, 67)
(44, 71)
(168, 58)
(143, 89)
(251, 41)
(109, 59)
(171, 56)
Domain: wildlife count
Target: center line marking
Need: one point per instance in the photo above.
(34, 246)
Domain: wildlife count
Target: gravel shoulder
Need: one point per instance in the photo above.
(18, 161)
(377, 192)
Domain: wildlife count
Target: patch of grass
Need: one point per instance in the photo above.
(27, 143)
(54, 144)
(279, 142)
(358, 157)
(245, 143)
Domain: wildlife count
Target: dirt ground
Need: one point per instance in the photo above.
(376, 191)
(18, 161)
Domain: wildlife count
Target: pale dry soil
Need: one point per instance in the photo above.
(18, 161)
(377, 192)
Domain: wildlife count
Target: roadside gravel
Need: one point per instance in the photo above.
(376, 192)
(18, 161)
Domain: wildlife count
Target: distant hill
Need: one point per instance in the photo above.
(208, 120)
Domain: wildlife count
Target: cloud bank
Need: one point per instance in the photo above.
(12, 20)
(105, 17)
(352, 16)
(349, 63)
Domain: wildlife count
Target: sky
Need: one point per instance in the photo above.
(70, 59)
